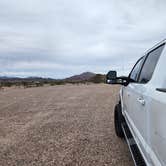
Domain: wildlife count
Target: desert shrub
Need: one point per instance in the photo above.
(57, 83)
(7, 84)
(98, 78)
(39, 84)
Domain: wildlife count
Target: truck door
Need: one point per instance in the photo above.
(134, 105)
(127, 89)
(138, 114)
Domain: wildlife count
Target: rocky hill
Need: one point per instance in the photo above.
(86, 76)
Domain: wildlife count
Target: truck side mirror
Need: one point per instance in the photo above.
(111, 77)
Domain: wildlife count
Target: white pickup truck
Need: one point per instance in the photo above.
(140, 114)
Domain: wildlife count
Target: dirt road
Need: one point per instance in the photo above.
(67, 125)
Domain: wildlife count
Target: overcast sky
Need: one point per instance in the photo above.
(59, 38)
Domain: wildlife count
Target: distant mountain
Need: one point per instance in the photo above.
(5, 77)
(81, 77)
(27, 79)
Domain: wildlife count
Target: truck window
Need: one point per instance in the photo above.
(136, 70)
(150, 64)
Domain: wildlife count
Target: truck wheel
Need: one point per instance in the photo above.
(118, 119)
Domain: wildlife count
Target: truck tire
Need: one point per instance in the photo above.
(118, 119)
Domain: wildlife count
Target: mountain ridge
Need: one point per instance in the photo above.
(81, 77)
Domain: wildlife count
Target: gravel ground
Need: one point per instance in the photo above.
(67, 125)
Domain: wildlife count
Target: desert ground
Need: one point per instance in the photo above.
(66, 125)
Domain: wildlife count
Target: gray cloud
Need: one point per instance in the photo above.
(58, 38)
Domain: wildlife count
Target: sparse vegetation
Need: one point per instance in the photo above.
(54, 83)
(84, 78)
(98, 78)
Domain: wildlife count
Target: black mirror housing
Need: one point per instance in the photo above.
(111, 75)
(111, 78)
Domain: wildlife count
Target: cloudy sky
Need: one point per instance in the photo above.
(59, 38)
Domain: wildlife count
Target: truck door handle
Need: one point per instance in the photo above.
(141, 100)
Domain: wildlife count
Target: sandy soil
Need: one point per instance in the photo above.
(63, 125)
